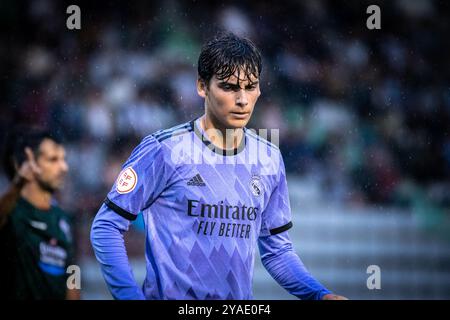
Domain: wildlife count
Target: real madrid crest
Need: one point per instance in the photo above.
(256, 185)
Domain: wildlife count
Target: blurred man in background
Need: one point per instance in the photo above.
(36, 242)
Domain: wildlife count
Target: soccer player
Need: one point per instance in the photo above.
(210, 191)
(35, 235)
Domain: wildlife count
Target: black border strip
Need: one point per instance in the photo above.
(287, 226)
(121, 212)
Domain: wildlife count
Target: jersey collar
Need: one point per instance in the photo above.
(200, 133)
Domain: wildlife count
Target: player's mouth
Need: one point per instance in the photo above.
(60, 178)
(240, 115)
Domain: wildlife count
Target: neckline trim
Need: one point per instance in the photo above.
(200, 133)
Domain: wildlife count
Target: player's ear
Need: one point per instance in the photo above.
(201, 88)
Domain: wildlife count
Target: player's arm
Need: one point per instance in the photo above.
(73, 294)
(277, 253)
(143, 178)
(9, 199)
(109, 247)
(285, 266)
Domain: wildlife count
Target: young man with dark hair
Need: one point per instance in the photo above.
(210, 191)
(36, 241)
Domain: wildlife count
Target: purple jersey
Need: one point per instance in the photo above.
(204, 209)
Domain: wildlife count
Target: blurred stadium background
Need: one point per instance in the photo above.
(363, 116)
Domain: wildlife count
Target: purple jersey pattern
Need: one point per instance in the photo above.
(204, 211)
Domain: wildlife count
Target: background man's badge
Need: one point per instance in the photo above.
(256, 185)
(127, 181)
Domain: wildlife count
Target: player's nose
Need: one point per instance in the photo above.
(241, 98)
(64, 166)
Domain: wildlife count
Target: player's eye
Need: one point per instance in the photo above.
(250, 88)
(229, 87)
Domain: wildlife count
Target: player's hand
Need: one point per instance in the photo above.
(331, 296)
(29, 168)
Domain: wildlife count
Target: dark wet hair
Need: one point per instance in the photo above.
(20, 138)
(227, 53)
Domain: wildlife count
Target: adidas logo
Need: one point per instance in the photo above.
(196, 181)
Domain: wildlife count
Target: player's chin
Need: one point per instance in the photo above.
(237, 122)
(58, 184)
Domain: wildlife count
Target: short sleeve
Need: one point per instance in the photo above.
(142, 179)
(276, 217)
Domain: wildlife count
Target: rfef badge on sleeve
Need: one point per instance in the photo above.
(126, 181)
